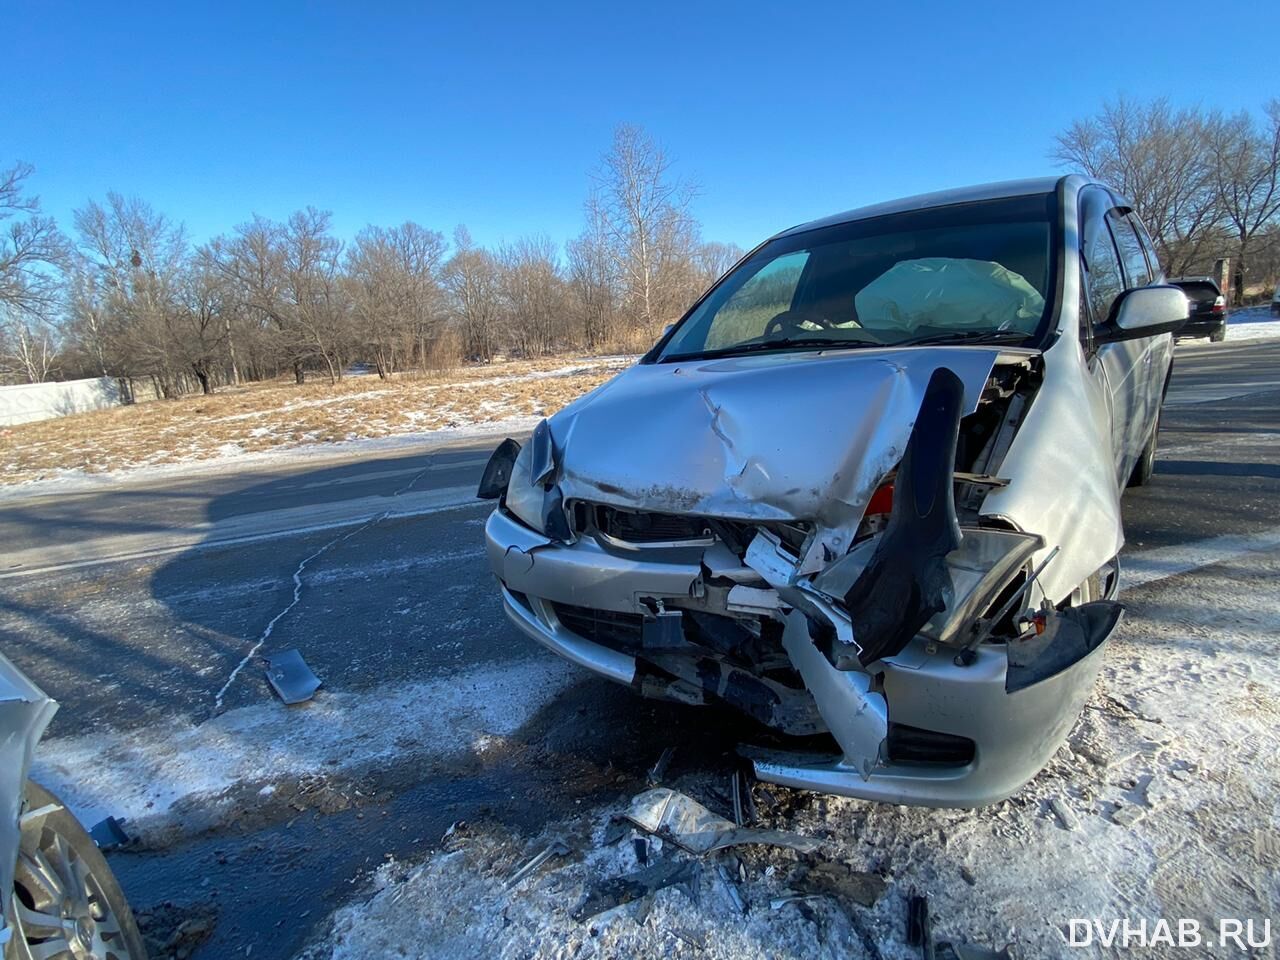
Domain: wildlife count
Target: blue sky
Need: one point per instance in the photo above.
(493, 115)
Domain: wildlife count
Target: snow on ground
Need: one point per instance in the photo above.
(1167, 801)
(151, 776)
(1253, 323)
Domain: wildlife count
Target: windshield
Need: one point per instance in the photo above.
(971, 272)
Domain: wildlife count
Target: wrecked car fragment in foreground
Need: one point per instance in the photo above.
(868, 486)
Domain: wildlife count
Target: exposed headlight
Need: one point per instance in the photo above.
(524, 497)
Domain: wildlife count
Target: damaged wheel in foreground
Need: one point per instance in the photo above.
(67, 903)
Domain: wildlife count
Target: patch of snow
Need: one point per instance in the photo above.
(142, 774)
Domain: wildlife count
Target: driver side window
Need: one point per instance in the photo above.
(1103, 277)
(769, 293)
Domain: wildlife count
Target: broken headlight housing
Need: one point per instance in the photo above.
(524, 497)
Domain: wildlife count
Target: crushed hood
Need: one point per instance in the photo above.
(796, 436)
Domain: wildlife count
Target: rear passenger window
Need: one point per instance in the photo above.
(1102, 264)
(1131, 255)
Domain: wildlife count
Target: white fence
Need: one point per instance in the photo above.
(28, 402)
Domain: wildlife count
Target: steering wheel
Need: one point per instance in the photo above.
(790, 320)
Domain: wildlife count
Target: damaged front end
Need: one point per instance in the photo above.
(813, 541)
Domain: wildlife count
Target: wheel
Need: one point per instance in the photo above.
(1146, 465)
(1218, 335)
(67, 904)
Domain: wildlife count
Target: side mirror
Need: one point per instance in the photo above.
(1144, 312)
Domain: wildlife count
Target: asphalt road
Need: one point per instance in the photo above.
(141, 608)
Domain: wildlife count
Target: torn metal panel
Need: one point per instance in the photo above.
(753, 600)
(857, 717)
(768, 437)
(674, 816)
(25, 712)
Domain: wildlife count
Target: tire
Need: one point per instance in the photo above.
(1218, 335)
(1146, 465)
(65, 893)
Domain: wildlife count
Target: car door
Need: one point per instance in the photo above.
(1114, 363)
(1142, 383)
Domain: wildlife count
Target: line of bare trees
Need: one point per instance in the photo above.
(1205, 183)
(128, 294)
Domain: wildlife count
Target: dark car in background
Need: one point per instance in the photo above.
(1208, 316)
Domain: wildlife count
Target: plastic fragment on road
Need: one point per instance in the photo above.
(557, 848)
(109, 833)
(616, 891)
(919, 929)
(731, 889)
(674, 816)
(290, 676)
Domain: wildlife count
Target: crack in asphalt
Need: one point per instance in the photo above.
(298, 584)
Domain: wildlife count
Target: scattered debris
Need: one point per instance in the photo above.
(615, 830)
(736, 789)
(1064, 814)
(777, 903)
(292, 679)
(1126, 815)
(672, 815)
(109, 834)
(838, 880)
(919, 930)
(557, 848)
(731, 889)
(660, 768)
(641, 847)
(172, 931)
(615, 891)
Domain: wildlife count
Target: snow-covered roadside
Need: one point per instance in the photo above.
(1253, 323)
(231, 455)
(161, 776)
(1165, 803)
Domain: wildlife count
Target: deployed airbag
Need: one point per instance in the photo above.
(944, 292)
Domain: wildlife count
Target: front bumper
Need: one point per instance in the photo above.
(1014, 735)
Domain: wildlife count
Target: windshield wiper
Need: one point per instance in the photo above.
(765, 345)
(967, 336)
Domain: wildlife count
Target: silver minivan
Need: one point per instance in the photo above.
(868, 487)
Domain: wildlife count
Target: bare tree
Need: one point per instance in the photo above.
(642, 211)
(28, 345)
(712, 260)
(594, 287)
(1247, 179)
(139, 258)
(31, 248)
(534, 296)
(1160, 158)
(392, 278)
(472, 282)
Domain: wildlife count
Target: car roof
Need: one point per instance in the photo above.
(941, 198)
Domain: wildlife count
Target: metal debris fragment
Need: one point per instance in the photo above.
(109, 834)
(557, 848)
(615, 891)
(660, 768)
(292, 679)
(731, 889)
(688, 824)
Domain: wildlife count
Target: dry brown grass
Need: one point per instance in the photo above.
(283, 414)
